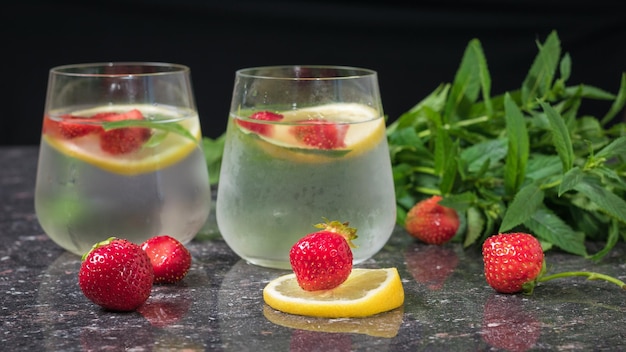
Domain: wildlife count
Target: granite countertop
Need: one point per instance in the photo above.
(219, 305)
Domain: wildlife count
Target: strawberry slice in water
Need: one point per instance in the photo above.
(124, 140)
(261, 128)
(321, 134)
(70, 127)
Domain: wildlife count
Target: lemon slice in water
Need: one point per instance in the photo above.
(168, 152)
(366, 292)
(365, 131)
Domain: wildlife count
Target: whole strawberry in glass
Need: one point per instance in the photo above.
(322, 260)
(116, 274)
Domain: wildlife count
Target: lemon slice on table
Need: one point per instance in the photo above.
(168, 152)
(366, 292)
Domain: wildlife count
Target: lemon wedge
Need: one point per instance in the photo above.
(366, 292)
(168, 152)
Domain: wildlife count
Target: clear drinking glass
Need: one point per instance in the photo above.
(120, 155)
(304, 143)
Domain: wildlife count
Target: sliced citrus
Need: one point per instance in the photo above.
(386, 324)
(366, 292)
(365, 130)
(171, 149)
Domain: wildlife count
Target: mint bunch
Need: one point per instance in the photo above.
(525, 160)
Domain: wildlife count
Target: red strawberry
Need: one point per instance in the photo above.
(170, 259)
(70, 127)
(116, 274)
(321, 134)
(323, 260)
(124, 140)
(513, 262)
(261, 128)
(432, 223)
(508, 326)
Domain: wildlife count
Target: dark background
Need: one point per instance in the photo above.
(413, 46)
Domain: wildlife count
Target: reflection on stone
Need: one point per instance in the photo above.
(384, 325)
(308, 341)
(430, 265)
(507, 325)
(167, 305)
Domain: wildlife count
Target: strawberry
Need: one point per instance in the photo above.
(322, 260)
(261, 128)
(116, 274)
(70, 127)
(513, 262)
(126, 139)
(431, 222)
(321, 134)
(170, 259)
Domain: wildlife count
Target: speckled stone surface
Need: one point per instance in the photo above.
(219, 305)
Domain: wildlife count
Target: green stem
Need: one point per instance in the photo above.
(424, 170)
(462, 123)
(430, 191)
(589, 275)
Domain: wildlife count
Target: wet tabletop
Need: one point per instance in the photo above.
(219, 305)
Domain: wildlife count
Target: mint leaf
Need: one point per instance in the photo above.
(164, 126)
(524, 205)
(491, 152)
(571, 178)
(618, 104)
(445, 160)
(470, 76)
(539, 79)
(518, 148)
(561, 138)
(611, 241)
(616, 148)
(606, 200)
(547, 226)
(475, 226)
(213, 150)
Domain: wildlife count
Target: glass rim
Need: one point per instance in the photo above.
(354, 72)
(79, 69)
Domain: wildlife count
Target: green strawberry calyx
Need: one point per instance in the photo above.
(529, 287)
(340, 228)
(98, 245)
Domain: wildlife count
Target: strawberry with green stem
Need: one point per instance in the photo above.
(116, 274)
(514, 263)
(322, 260)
